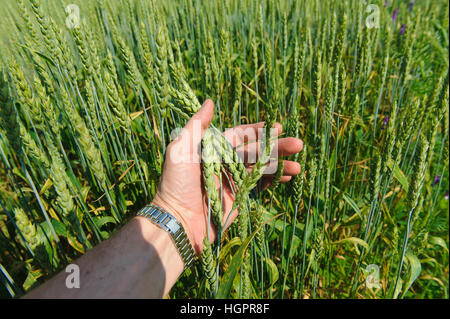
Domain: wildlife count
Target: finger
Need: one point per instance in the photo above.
(281, 148)
(285, 179)
(249, 132)
(290, 168)
(200, 121)
(267, 181)
(289, 146)
(186, 147)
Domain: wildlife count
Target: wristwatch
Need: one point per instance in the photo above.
(171, 225)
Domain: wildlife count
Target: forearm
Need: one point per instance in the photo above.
(140, 261)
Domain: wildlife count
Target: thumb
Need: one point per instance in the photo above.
(200, 121)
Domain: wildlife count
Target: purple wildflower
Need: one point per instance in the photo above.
(386, 121)
(436, 179)
(402, 30)
(395, 15)
(446, 195)
(411, 5)
(386, 3)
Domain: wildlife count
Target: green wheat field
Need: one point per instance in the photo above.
(90, 92)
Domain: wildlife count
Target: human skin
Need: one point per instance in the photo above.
(141, 260)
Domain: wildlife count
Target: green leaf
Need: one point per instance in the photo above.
(399, 175)
(235, 265)
(415, 268)
(101, 221)
(59, 227)
(350, 201)
(438, 241)
(398, 289)
(228, 277)
(226, 249)
(295, 239)
(73, 241)
(45, 233)
(275, 275)
(32, 277)
(309, 231)
(295, 244)
(46, 58)
(353, 240)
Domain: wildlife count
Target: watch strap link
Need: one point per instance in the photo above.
(171, 225)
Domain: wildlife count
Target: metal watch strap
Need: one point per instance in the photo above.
(170, 224)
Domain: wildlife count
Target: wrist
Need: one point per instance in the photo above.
(185, 217)
(161, 255)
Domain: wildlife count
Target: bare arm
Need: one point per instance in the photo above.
(140, 261)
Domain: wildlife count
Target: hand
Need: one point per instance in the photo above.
(181, 190)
